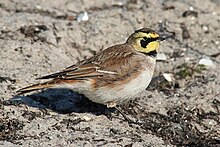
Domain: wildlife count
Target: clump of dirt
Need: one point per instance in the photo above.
(181, 126)
(32, 31)
(9, 128)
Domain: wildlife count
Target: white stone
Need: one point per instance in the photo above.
(191, 8)
(168, 76)
(38, 7)
(206, 62)
(217, 42)
(205, 29)
(83, 17)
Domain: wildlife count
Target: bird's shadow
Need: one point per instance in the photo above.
(61, 101)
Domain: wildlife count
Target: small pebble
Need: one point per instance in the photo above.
(83, 17)
(205, 29)
(168, 76)
(206, 62)
(217, 42)
(38, 7)
(214, 13)
(191, 8)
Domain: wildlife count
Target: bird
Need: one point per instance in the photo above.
(114, 75)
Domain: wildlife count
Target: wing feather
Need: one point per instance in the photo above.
(99, 65)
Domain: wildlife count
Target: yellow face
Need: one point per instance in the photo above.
(144, 40)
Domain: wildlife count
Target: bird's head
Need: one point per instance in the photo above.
(145, 40)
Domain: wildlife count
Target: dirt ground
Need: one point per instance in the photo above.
(45, 36)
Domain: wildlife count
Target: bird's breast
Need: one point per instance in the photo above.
(124, 90)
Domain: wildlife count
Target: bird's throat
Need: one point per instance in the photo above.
(151, 53)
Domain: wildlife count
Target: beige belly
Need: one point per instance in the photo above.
(123, 92)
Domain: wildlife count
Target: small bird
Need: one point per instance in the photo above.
(112, 76)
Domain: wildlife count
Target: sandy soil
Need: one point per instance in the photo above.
(44, 36)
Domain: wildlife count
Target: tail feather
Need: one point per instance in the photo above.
(37, 87)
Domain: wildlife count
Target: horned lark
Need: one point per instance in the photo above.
(112, 76)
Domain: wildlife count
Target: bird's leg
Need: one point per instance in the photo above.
(125, 116)
(113, 104)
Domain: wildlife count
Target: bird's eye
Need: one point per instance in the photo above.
(145, 41)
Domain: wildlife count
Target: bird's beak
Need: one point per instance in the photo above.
(161, 38)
